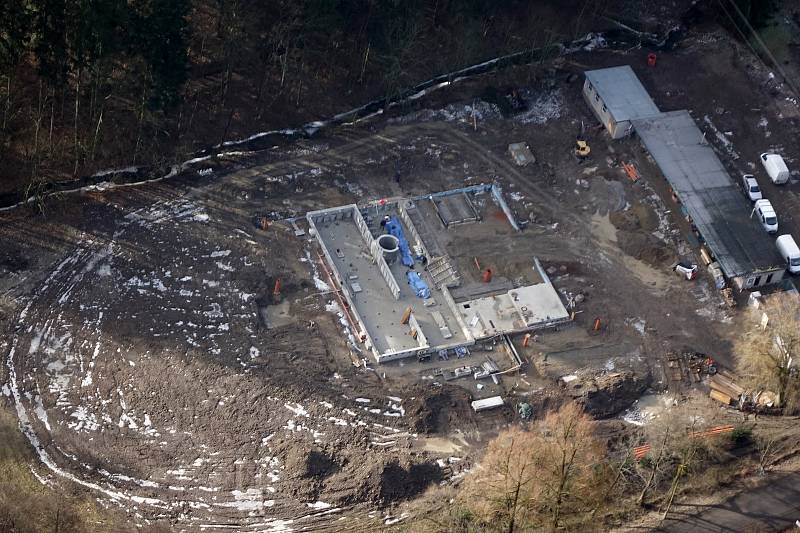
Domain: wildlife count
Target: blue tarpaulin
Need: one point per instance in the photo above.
(394, 228)
(420, 287)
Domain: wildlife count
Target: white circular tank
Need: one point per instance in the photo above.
(390, 247)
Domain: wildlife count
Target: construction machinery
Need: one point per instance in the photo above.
(582, 149)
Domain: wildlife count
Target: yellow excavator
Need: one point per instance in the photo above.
(582, 149)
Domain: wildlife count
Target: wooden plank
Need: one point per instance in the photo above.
(720, 397)
(723, 383)
(727, 391)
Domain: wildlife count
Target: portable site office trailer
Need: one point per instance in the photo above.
(616, 96)
(745, 256)
(719, 212)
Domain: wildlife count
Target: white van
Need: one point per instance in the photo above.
(766, 215)
(775, 167)
(789, 252)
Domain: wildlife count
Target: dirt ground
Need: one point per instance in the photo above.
(150, 362)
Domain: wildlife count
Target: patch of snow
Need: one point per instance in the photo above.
(542, 106)
(38, 408)
(391, 521)
(297, 409)
(319, 505)
(85, 420)
(320, 285)
(478, 110)
(726, 143)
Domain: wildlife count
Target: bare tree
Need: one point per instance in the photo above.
(615, 478)
(679, 441)
(570, 451)
(769, 347)
(535, 478)
(768, 450)
(507, 483)
(652, 467)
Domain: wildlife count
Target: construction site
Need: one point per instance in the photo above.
(311, 335)
(368, 252)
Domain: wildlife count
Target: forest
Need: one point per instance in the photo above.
(87, 85)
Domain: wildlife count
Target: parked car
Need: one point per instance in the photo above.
(750, 186)
(790, 252)
(775, 167)
(766, 215)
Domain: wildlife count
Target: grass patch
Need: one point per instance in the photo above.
(27, 506)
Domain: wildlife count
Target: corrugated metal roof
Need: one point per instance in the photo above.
(718, 209)
(622, 93)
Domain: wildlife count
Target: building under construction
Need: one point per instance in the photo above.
(408, 289)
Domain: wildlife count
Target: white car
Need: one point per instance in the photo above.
(766, 215)
(751, 189)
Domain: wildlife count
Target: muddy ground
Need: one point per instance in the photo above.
(149, 360)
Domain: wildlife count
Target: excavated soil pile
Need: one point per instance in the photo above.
(635, 237)
(434, 413)
(606, 395)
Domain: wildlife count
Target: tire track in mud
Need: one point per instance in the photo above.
(68, 283)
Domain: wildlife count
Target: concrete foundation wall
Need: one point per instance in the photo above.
(451, 304)
(422, 344)
(413, 325)
(328, 216)
(411, 228)
(377, 253)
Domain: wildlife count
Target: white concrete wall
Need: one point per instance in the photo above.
(412, 229)
(422, 344)
(330, 215)
(451, 304)
(377, 253)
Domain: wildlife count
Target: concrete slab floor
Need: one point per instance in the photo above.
(375, 304)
